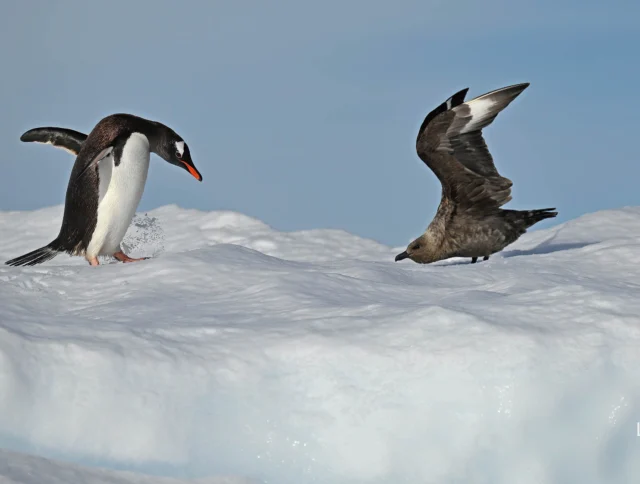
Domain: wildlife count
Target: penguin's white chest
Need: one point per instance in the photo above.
(121, 189)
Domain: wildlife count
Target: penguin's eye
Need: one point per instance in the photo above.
(179, 149)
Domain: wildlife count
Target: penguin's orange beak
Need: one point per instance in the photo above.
(192, 169)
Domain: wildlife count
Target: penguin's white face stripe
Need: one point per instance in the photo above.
(180, 148)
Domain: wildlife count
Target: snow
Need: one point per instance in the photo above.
(23, 469)
(243, 353)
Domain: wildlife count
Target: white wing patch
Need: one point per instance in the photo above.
(57, 146)
(480, 110)
(180, 147)
(103, 154)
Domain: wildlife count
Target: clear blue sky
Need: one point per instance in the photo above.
(304, 114)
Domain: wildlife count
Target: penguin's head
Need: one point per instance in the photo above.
(174, 150)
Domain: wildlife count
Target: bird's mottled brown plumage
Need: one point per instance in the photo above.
(469, 221)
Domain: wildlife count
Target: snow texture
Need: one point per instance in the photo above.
(23, 469)
(312, 357)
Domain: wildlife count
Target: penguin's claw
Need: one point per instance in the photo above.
(122, 257)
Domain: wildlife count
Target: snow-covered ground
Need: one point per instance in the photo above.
(18, 468)
(312, 357)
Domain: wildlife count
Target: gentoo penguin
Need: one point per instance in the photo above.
(106, 183)
(469, 221)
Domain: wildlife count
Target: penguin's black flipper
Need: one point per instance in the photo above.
(67, 139)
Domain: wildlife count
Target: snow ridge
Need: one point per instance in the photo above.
(311, 356)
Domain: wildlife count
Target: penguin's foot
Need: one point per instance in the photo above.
(93, 261)
(122, 257)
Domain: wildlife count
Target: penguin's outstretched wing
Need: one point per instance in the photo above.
(66, 139)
